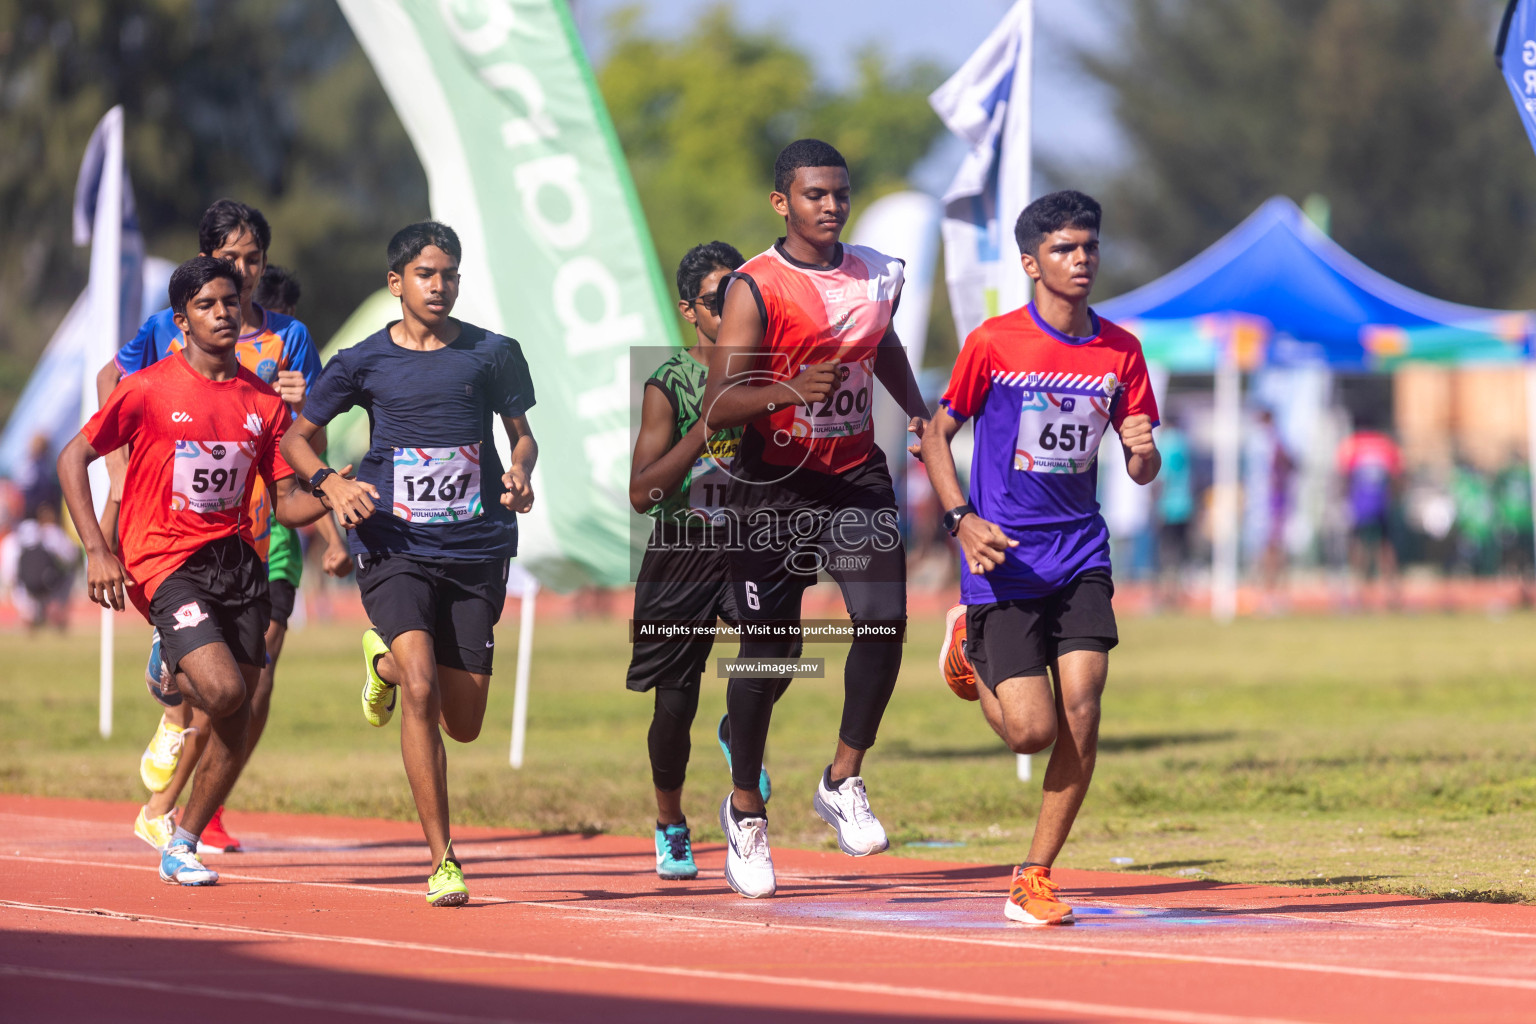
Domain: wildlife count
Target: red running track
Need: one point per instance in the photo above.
(323, 919)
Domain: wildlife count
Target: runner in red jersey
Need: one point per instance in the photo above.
(202, 429)
(806, 333)
(1045, 384)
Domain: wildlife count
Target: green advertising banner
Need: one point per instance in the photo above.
(522, 161)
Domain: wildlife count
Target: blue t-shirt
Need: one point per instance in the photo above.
(430, 416)
(280, 343)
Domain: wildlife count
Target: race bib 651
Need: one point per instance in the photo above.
(1061, 425)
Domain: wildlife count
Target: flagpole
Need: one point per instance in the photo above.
(106, 309)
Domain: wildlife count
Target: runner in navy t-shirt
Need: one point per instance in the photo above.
(434, 573)
(1045, 385)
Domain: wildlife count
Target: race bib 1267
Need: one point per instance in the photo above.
(1061, 423)
(210, 476)
(437, 485)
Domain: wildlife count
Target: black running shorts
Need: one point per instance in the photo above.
(1010, 639)
(684, 578)
(218, 596)
(284, 594)
(459, 603)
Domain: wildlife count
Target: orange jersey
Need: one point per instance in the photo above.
(816, 315)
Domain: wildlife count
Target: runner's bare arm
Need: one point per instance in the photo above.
(337, 560)
(518, 479)
(734, 395)
(658, 467)
(291, 388)
(295, 508)
(117, 462)
(895, 373)
(981, 542)
(1142, 459)
(107, 578)
(352, 500)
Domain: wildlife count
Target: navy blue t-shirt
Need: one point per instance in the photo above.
(430, 416)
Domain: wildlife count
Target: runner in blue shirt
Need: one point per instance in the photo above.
(433, 573)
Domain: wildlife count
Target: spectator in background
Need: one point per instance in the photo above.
(1476, 543)
(278, 290)
(1278, 468)
(1512, 499)
(1372, 466)
(38, 562)
(38, 480)
(1175, 511)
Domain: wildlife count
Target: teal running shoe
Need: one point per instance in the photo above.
(674, 854)
(764, 786)
(159, 678)
(179, 866)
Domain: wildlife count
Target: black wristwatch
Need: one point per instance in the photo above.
(319, 478)
(953, 516)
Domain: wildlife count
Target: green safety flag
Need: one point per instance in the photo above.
(522, 161)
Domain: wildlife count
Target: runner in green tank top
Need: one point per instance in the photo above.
(678, 477)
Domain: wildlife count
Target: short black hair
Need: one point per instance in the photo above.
(803, 153)
(700, 261)
(410, 240)
(189, 278)
(278, 289)
(224, 218)
(1050, 213)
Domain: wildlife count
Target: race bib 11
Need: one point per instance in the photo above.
(708, 481)
(437, 485)
(210, 476)
(1061, 426)
(844, 412)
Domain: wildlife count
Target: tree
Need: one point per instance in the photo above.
(702, 117)
(269, 101)
(1391, 109)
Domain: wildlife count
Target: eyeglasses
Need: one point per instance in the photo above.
(708, 298)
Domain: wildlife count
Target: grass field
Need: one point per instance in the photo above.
(1378, 753)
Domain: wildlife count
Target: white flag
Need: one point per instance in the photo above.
(986, 103)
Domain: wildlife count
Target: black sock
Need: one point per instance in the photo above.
(832, 783)
(739, 816)
(676, 824)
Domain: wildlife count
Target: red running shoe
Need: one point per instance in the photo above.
(214, 839)
(953, 663)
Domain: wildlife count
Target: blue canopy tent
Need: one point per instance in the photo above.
(1276, 291)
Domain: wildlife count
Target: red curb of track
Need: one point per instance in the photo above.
(323, 919)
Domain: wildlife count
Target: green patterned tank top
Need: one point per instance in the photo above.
(702, 494)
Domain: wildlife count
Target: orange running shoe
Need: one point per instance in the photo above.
(1033, 899)
(952, 660)
(214, 839)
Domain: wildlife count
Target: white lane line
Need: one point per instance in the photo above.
(1050, 945)
(493, 846)
(369, 1011)
(869, 988)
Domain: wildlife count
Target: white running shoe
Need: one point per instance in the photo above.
(846, 809)
(748, 862)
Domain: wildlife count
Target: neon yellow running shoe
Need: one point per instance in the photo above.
(158, 765)
(446, 887)
(155, 831)
(378, 696)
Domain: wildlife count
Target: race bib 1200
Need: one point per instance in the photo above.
(210, 476)
(437, 485)
(1061, 423)
(844, 412)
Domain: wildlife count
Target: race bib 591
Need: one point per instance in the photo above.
(844, 412)
(1061, 424)
(210, 476)
(437, 485)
